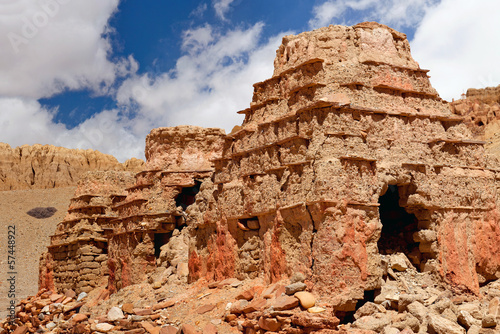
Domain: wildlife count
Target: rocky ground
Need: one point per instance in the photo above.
(408, 302)
(32, 235)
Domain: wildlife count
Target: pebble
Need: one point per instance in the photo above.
(50, 326)
(128, 308)
(306, 299)
(115, 313)
(104, 327)
(285, 303)
(297, 277)
(295, 287)
(316, 309)
(81, 296)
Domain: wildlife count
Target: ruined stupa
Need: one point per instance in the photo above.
(346, 154)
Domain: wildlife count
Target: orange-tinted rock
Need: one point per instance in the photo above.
(239, 306)
(23, 316)
(55, 296)
(81, 329)
(164, 304)
(142, 311)
(189, 329)
(210, 329)
(21, 330)
(285, 303)
(257, 304)
(150, 328)
(136, 331)
(269, 324)
(309, 321)
(250, 293)
(128, 308)
(69, 293)
(79, 318)
(205, 308)
(168, 330)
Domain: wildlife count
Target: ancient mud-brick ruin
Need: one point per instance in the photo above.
(178, 161)
(479, 107)
(77, 256)
(345, 155)
(115, 226)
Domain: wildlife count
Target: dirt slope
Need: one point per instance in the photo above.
(32, 235)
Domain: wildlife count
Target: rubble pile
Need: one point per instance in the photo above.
(408, 302)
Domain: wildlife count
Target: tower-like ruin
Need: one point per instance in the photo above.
(346, 154)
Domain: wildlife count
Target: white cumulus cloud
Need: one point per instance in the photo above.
(49, 46)
(395, 13)
(459, 42)
(209, 84)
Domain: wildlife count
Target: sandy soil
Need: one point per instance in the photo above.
(32, 236)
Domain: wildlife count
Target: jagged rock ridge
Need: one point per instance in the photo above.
(47, 166)
(481, 111)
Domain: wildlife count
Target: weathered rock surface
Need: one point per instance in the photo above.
(480, 109)
(349, 179)
(345, 154)
(47, 166)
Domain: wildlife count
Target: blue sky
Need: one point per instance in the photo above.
(101, 74)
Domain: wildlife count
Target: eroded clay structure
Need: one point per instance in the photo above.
(116, 223)
(479, 107)
(78, 254)
(346, 154)
(178, 161)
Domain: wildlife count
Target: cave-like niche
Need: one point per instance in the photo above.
(159, 240)
(187, 195)
(398, 226)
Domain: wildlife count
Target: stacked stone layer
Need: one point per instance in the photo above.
(177, 159)
(117, 219)
(347, 119)
(347, 114)
(77, 256)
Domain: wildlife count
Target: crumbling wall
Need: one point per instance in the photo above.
(157, 205)
(77, 256)
(347, 119)
(347, 114)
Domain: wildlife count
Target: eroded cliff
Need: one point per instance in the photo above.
(47, 166)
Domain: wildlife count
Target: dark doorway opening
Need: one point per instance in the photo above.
(348, 317)
(398, 225)
(187, 195)
(160, 239)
